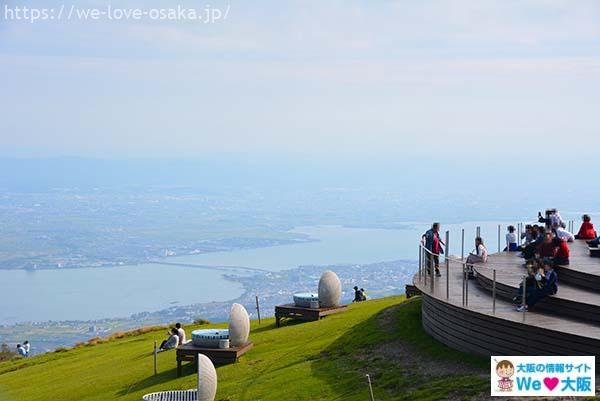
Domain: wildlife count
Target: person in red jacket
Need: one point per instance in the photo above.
(587, 229)
(562, 252)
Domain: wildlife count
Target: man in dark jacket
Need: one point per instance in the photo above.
(433, 243)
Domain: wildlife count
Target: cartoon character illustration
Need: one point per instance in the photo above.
(505, 369)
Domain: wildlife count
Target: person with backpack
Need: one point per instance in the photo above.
(433, 243)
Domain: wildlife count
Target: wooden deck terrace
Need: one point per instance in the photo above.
(567, 323)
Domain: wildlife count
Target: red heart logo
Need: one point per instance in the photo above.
(551, 382)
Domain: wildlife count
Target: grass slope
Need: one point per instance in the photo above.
(324, 360)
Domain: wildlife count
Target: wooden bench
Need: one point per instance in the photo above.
(291, 311)
(411, 291)
(189, 352)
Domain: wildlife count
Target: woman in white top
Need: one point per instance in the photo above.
(511, 240)
(170, 342)
(479, 254)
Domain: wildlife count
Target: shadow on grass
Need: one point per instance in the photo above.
(165, 378)
(272, 326)
(403, 361)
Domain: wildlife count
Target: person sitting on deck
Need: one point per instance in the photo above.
(549, 287)
(533, 280)
(547, 248)
(529, 235)
(478, 255)
(561, 253)
(538, 238)
(586, 231)
(563, 234)
(433, 243)
(511, 240)
(180, 334)
(170, 342)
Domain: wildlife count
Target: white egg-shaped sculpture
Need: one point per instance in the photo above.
(330, 290)
(239, 326)
(207, 379)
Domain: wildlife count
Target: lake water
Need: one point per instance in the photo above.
(84, 294)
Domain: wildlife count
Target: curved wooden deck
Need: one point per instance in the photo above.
(567, 324)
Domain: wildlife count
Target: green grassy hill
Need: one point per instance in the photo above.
(325, 360)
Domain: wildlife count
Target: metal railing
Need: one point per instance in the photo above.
(427, 268)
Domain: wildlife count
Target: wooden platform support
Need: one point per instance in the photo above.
(567, 323)
(189, 352)
(291, 311)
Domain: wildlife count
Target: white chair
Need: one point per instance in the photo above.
(207, 386)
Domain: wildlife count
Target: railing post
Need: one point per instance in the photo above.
(519, 228)
(420, 262)
(432, 260)
(155, 352)
(258, 309)
(425, 265)
(467, 287)
(462, 247)
(498, 238)
(463, 284)
(494, 293)
(447, 265)
(478, 231)
(524, 299)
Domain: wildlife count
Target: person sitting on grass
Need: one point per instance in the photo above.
(363, 294)
(586, 231)
(357, 295)
(21, 351)
(511, 240)
(170, 342)
(561, 253)
(549, 287)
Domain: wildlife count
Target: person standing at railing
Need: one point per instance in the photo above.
(433, 243)
(511, 240)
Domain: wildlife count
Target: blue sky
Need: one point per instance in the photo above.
(341, 79)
